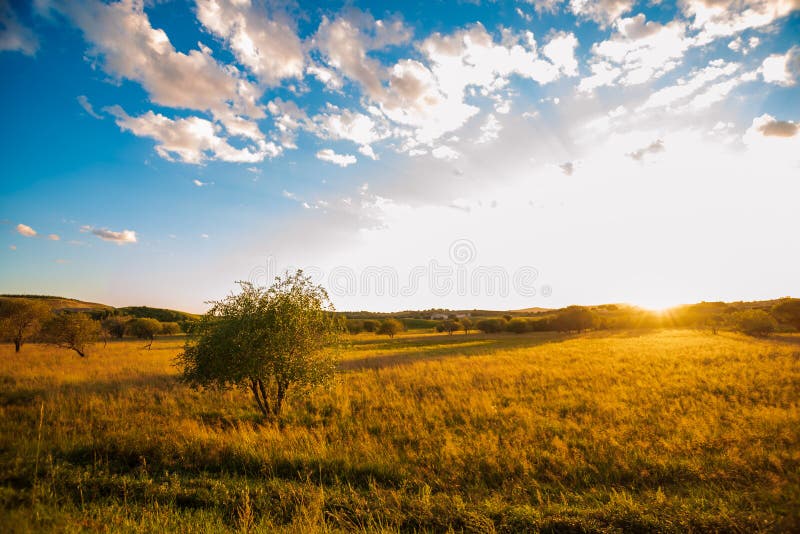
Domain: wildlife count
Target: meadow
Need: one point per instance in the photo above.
(634, 431)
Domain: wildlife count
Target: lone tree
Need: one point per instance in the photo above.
(21, 319)
(74, 331)
(144, 328)
(390, 327)
(265, 340)
(466, 324)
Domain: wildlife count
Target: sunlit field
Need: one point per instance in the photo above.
(670, 430)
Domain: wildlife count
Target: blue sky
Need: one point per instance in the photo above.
(407, 154)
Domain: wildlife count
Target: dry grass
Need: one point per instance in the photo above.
(638, 431)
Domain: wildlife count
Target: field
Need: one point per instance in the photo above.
(663, 430)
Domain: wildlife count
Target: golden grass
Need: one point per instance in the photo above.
(634, 431)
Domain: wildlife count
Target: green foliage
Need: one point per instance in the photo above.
(491, 326)
(74, 331)
(754, 322)
(574, 318)
(159, 314)
(21, 319)
(170, 328)
(265, 340)
(466, 324)
(371, 325)
(116, 325)
(788, 311)
(143, 328)
(354, 326)
(390, 327)
(518, 325)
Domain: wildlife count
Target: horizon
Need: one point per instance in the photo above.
(405, 155)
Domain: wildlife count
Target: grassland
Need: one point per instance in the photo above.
(670, 430)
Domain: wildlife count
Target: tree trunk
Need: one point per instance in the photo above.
(17, 344)
(80, 352)
(256, 394)
(279, 399)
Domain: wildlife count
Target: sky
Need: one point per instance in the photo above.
(406, 155)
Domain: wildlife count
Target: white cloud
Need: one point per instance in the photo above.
(342, 160)
(200, 183)
(490, 129)
(561, 51)
(604, 12)
(25, 230)
(638, 51)
(568, 168)
(120, 238)
(721, 18)
(782, 69)
(129, 47)
(348, 125)
(445, 152)
(12, 247)
(768, 126)
(53, 237)
(269, 47)
(87, 106)
(191, 139)
(15, 36)
(685, 88)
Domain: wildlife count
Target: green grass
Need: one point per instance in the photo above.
(670, 431)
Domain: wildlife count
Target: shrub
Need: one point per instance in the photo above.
(491, 326)
(754, 322)
(390, 327)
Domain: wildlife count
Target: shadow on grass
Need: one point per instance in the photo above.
(25, 396)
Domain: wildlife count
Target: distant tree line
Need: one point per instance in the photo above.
(25, 320)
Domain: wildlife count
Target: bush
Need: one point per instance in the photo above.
(354, 326)
(491, 326)
(754, 322)
(170, 328)
(116, 325)
(371, 325)
(144, 329)
(390, 327)
(518, 325)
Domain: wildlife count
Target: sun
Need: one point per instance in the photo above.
(658, 305)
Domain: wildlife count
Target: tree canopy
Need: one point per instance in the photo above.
(265, 340)
(21, 319)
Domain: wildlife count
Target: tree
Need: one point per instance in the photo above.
(450, 326)
(574, 318)
(170, 328)
(518, 325)
(116, 325)
(788, 311)
(390, 327)
(371, 325)
(21, 319)
(74, 331)
(354, 326)
(754, 322)
(466, 324)
(144, 328)
(265, 340)
(491, 326)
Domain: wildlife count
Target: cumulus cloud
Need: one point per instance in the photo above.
(653, 148)
(129, 47)
(604, 12)
(638, 51)
(25, 230)
(120, 238)
(337, 124)
(769, 126)
(782, 69)
(721, 18)
(15, 36)
(87, 106)
(265, 44)
(342, 160)
(191, 139)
